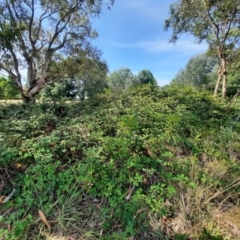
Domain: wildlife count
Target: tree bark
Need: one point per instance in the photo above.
(222, 72)
(224, 83)
(218, 81)
(234, 97)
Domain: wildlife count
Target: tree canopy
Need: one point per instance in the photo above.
(197, 72)
(33, 32)
(8, 90)
(215, 21)
(146, 77)
(201, 71)
(76, 77)
(121, 80)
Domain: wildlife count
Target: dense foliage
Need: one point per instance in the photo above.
(34, 33)
(201, 71)
(197, 72)
(123, 79)
(146, 77)
(84, 78)
(59, 90)
(216, 22)
(146, 164)
(8, 90)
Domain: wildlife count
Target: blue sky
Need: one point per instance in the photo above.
(132, 35)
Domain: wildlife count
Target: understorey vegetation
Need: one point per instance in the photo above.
(143, 164)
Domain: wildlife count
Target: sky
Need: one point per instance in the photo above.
(131, 34)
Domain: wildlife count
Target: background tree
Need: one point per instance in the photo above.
(146, 77)
(198, 72)
(8, 90)
(32, 32)
(58, 90)
(75, 77)
(234, 72)
(91, 80)
(234, 79)
(216, 21)
(121, 80)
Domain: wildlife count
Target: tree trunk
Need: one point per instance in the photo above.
(25, 99)
(234, 97)
(35, 89)
(30, 95)
(224, 84)
(222, 72)
(36, 85)
(218, 81)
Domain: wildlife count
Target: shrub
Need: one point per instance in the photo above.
(137, 164)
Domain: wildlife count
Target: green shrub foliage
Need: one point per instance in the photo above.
(129, 154)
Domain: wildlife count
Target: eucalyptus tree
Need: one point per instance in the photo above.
(89, 78)
(215, 21)
(92, 81)
(81, 75)
(146, 77)
(32, 32)
(62, 89)
(197, 71)
(121, 80)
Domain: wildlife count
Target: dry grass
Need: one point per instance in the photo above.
(204, 206)
(228, 222)
(16, 101)
(11, 101)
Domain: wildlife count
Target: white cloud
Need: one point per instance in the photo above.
(160, 46)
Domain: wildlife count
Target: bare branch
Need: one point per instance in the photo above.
(230, 24)
(58, 31)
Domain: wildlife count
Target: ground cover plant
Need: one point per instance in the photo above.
(143, 164)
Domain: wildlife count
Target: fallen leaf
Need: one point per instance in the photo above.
(7, 198)
(44, 219)
(130, 193)
(2, 199)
